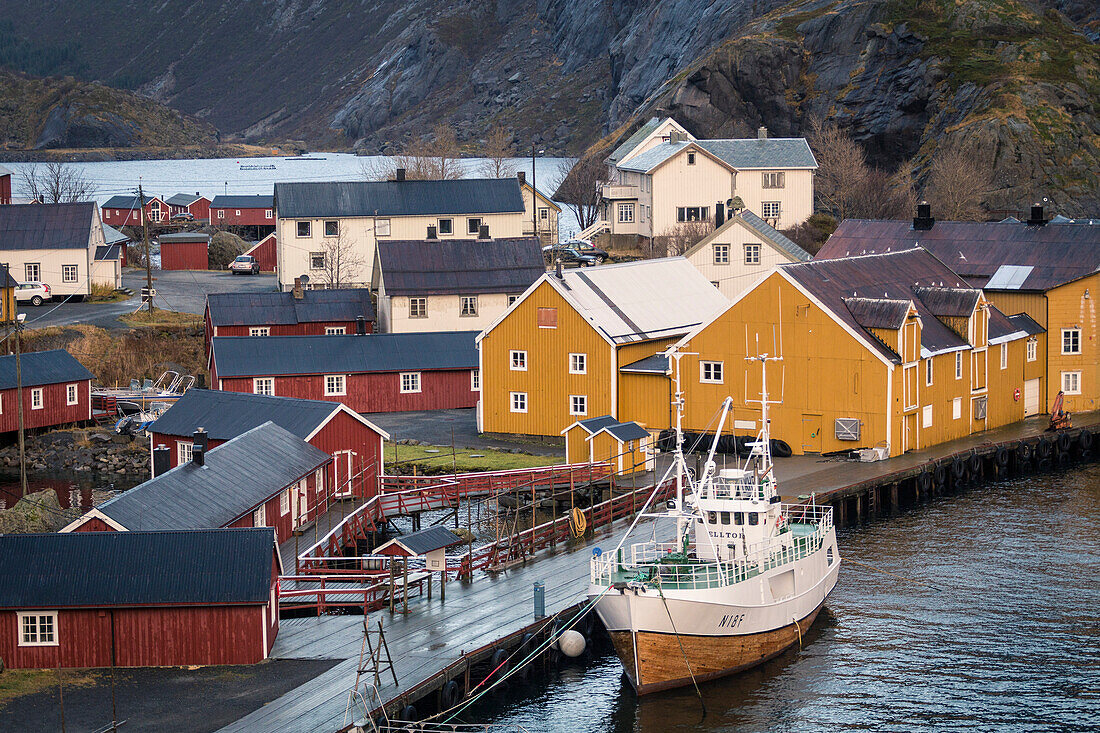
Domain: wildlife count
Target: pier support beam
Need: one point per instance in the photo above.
(894, 507)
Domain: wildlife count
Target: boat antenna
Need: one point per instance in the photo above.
(764, 439)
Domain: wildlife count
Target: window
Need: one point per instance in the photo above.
(926, 417)
(184, 449)
(548, 318)
(512, 299)
(106, 213)
(519, 402)
(316, 260)
(446, 226)
(335, 384)
(928, 372)
(473, 225)
(578, 363)
(263, 385)
(221, 215)
(754, 518)
(519, 361)
(259, 331)
(238, 212)
(332, 228)
(769, 209)
(36, 399)
(956, 408)
(269, 214)
(1004, 356)
(721, 254)
(38, 628)
(544, 214)
(773, 180)
(259, 517)
(752, 254)
(691, 158)
(68, 273)
(578, 404)
(382, 227)
(1071, 382)
(418, 307)
(692, 213)
(34, 271)
(909, 384)
(410, 382)
(467, 306)
(284, 502)
(710, 372)
(626, 213)
(958, 365)
(1071, 341)
(475, 380)
(725, 516)
(303, 228)
(71, 394)
(335, 330)
(1032, 349)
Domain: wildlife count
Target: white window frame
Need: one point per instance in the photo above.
(926, 416)
(259, 331)
(691, 157)
(421, 311)
(259, 384)
(284, 500)
(929, 372)
(325, 224)
(773, 179)
(712, 372)
(72, 394)
(1075, 377)
(774, 206)
(578, 363)
(410, 382)
(721, 253)
(269, 214)
(381, 227)
(464, 309)
(238, 212)
(313, 260)
(512, 299)
(578, 404)
(1073, 336)
(475, 380)
(38, 399)
(1032, 349)
(471, 226)
(70, 273)
(1004, 356)
(909, 400)
(184, 451)
(517, 360)
(33, 271)
(336, 330)
(221, 213)
(336, 385)
(259, 516)
(450, 227)
(956, 408)
(308, 229)
(958, 365)
(38, 617)
(625, 213)
(517, 401)
(753, 253)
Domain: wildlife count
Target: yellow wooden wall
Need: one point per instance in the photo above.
(644, 398)
(1069, 308)
(1034, 304)
(547, 381)
(625, 457)
(576, 445)
(7, 304)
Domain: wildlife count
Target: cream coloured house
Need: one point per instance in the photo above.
(735, 255)
(453, 285)
(542, 223)
(53, 243)
(327, 228)
(662, 176)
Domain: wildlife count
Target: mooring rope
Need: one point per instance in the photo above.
(683, 653)
(795, 619)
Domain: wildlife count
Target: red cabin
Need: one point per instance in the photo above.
(265, 254)
(138, 599)
(242, 211)
(5, 186)
(184, 203)
(184, 251)
(122, 211)
(57, 390)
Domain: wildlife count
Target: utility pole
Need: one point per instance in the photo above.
(145, 236)
(534, 196)
(19, 401)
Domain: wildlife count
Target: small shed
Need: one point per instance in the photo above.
(627, 446)
(264, 252)
(184, 251)
(577, 449)
(430, 543)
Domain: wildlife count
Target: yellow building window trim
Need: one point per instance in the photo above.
(518, 360)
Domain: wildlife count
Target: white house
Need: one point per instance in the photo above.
(53, 243)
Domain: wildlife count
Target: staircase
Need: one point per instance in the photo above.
(598, 228)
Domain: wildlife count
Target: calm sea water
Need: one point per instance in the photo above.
(1011, 643)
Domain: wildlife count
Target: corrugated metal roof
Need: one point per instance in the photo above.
(656, 364)
(242, 202)
(946, 302)
(46, 226)
(81, 569)
(467, 266)
(1027, 324)
(184, 237)
(129, 202)
(424, 541)
(225, 415)
(634, 140)
(316, 306)
(626, 431)
(43, 367)
(113, 236)
(385, 352)
(182, 199)
(108, 252)
(405, 198)
(641, 300)
(1057, 253)
(1009, 277)
(237, 477)
(878, 312)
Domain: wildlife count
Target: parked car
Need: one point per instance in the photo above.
(573, 256)
(33, 291)
(575, 246)
(183, 216)
(245, 265)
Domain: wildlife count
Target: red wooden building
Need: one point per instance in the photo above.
(297, 313)
(5, 186)
(242, 211)
(184, 203)
(138, 599)
(184, 251)
(391, 372)
(265, 477)
(354, 442)
(126, 210)
(57, 390)
(265, 254)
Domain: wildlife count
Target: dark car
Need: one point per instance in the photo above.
(572, 256)
(575, 248)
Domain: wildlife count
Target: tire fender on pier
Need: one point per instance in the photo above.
(450, 694)
(1084, 440)
(1044, 448)
(1064, 442)
(1023, 452)
(958, 469)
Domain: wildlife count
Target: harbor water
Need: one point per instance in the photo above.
(982, 614)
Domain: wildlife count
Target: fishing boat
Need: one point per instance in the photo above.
(140, 396)
(741, 580)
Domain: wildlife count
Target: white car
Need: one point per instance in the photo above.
(35, 292)
(245, 264)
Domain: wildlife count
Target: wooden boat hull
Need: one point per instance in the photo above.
(662, 662)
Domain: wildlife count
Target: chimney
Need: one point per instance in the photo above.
(360, 326)
(924, 220)
(162, 460)
(676, 136)
(761, 133)
(483, 231)
(522, 177)
(719, 214)
(557, 269)
(1037, 219)
(200, 437)
(200, 381)
(298, 294)
(400, 175)
(432, 236)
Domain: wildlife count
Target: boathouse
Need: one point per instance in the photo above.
(196, 205)
(390, 372)
(184, 251)
(57, 390)
(354, 442)
(242, 211)
(265, 253)
(138, 599)
(125, 210)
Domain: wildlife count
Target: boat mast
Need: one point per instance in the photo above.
(764, 441)
(678, 457)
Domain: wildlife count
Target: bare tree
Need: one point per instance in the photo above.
(343, 262)
(435, 159)
(679, 239)
(56, 183)
(956, 187)
(848, 186)
(498, 152)
(579, 187)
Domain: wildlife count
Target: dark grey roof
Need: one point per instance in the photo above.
(182, 199)
(656, 364)
(238, 476)
(6, 280)
(771, 152)
(128, 202)
(464, 266)
(225, 415)
(83, 569)
(108, 252)
(184, 237)
(243, 356)
(625, 431)
(113, 236)
(43, 367)
(634, 140)
(242, 202)
(1027, 324)
(594, 424)
(46, 226)
(424, 541)
(405, 198)
(948, 302)
(316, 306)
(878, 312)
(773, 235)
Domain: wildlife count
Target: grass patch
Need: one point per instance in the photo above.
(788, 27)
(161, 317)
(19, 682)
(419, 459)
(105, 294)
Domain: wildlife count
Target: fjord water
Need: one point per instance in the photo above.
(1010, 643)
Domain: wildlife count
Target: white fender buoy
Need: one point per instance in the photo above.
(571, 643)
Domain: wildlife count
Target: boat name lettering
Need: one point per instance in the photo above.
(731, 621)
